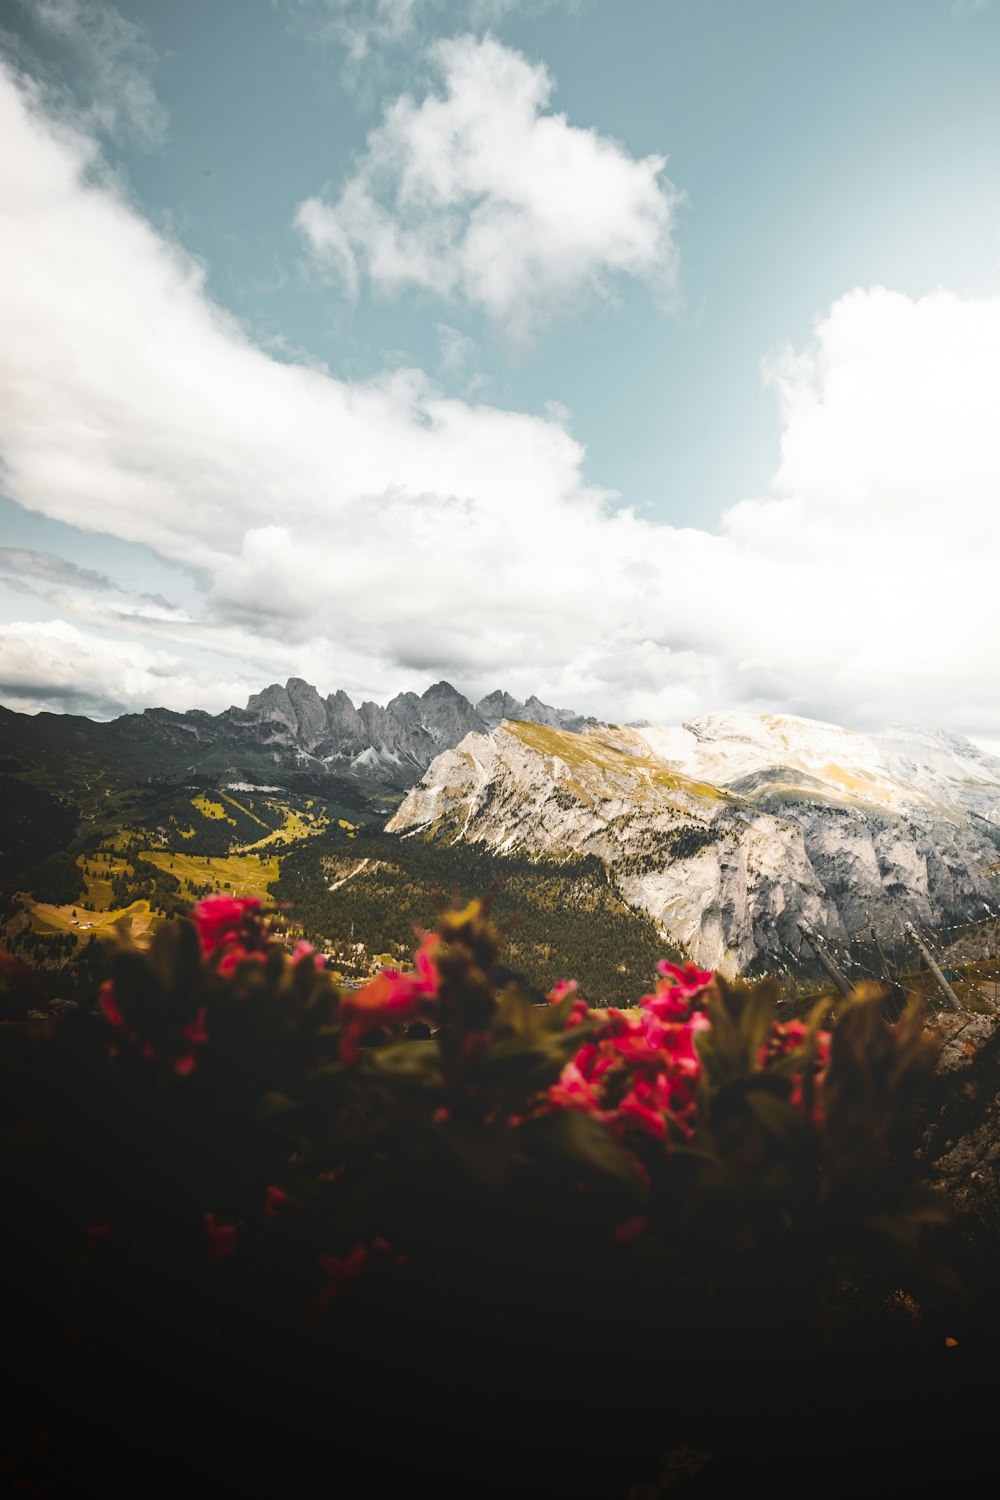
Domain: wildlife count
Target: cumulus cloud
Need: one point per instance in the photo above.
(379, 535)
(481, 195)
(52, 665)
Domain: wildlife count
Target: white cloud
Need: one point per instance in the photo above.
(45, 565)
(364, 27)
(379, 535)
(114, 61)
(361, 25)
(481, 195)
(52, 665)
(458, 351)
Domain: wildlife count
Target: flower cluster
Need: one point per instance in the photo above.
(641, 1071)
(167, 1022)
(791, 1042)
(231, 928)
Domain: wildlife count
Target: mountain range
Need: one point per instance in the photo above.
(291, 728)
(732, 830)
(728, 831)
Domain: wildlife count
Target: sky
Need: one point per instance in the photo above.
(640, 354)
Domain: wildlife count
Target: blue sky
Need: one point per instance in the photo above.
(641, 355)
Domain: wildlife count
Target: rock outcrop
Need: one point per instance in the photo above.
(733, 829)
(395, 743)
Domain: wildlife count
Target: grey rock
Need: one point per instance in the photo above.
(725, 845)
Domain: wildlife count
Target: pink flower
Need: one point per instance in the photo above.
(687, 976)
(339, 1273)
(574, 1091)
(231, 960)
(631, 1228)
(637, 1110)
(389, 998)
(222, 1238)
(304, 950)
(109, 1008)
(423, 961)
(785, 1039)
(274, 1201)
(195, 1031)
(219, 919)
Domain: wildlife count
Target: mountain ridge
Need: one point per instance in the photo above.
(732, 830)
(285, 729)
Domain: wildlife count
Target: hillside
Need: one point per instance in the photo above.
(732, 830)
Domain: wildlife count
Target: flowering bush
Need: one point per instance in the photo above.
(232, 1168)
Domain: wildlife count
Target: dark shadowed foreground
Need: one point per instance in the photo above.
(428, 1235)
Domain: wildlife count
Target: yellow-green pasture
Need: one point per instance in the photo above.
(83, 920)
(210, 809)
(97, 879)
(297, 825)
(242, 874)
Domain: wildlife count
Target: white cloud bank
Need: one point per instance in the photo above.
(378, 536)
(482, 196)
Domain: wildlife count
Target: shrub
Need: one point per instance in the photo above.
(244, 1205)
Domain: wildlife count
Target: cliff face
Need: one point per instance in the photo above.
(395, 743)
(732, 829)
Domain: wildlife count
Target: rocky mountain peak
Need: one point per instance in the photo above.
(497, 706)
(396, 742)
(272, 703)
(733, 829)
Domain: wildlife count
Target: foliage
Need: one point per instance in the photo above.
(234, 1191)
(34, 823)
(568, 917)
(57, 881)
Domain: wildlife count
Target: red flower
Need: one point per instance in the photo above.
(339, 1273)
(304, 950)
(423, 962)
(642, 1071)
(109, 1008)
(386, 1000)
(230, 961)
(786, 1038)
(687, 976)
(631, 1228)
(222, 1238)
(195, 1031)
(220, 919)
(579, 1009)
(275, 1200)
(574, 1090)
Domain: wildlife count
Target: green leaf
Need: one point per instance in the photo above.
(486, 1152)
(573, 1136)
(776, 1116)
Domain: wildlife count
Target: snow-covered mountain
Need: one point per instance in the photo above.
(731, 829)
